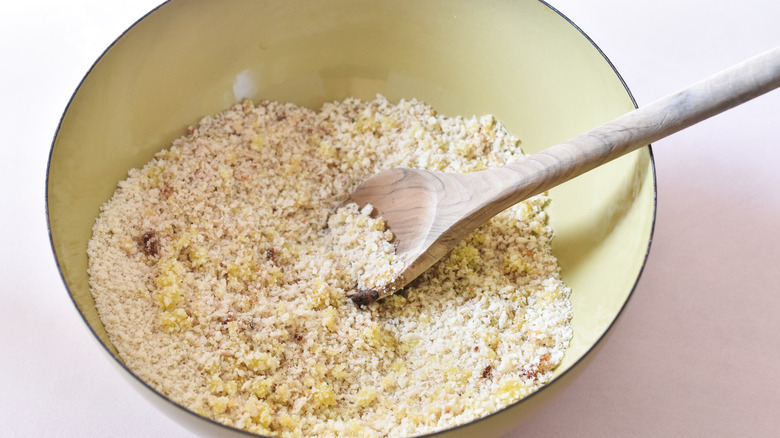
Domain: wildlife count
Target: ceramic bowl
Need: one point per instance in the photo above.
(520, 60)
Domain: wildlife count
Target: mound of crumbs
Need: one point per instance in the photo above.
(221, 271)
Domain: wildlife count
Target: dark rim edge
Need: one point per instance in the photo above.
(247, 433)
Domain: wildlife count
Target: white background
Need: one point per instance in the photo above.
(696, 352)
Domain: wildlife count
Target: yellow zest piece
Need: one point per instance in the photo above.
(365, 396)
(260, 411)
(261, 386)
(260, 362)
(215, 385)
(511, 389)
(173, 321)
(219, 404)
(324, 395)
(330, 319)
(319, 295)
(464, 256)
(377, 337)
(168, 283)
(258, 143)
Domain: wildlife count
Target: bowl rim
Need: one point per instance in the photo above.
(164, 398)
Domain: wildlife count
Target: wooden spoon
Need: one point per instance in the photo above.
(430, 212)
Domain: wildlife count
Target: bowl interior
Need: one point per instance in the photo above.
(519, 60)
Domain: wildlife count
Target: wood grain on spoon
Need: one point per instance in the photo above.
(430, 212)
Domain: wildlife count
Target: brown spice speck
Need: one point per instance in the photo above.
(167, 191)
(531, 374)
(149, 244)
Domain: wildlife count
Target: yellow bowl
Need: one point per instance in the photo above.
(520, 60)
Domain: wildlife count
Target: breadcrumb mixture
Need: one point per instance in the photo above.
(221, 270)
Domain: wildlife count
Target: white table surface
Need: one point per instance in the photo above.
(696, 352)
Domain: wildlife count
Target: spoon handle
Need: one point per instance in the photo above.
(539, 172)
